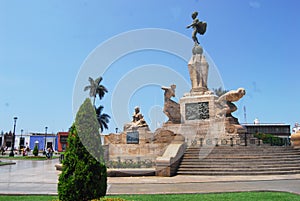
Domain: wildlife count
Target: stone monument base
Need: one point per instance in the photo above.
(139, 144)
(203, 122)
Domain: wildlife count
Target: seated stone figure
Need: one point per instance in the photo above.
(137, 120)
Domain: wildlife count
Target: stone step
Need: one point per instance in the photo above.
(240, 160)
(246, 156)
(229, 166)
(250, 148)
(243, 154)
(237, 173)
(245, 162)
(251, 168)
(233, 167)
(239, 152)
(242, 151)
(266, 146)
(228, 160)
(239, 157)
(255, 149)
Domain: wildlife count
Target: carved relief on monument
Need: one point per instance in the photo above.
(197, 111)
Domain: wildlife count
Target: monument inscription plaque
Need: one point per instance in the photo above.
(197, 111)
(132, 137)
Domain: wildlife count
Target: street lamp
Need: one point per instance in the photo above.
(20, 146)
(45, 147)
(2, 140)
(11, 154)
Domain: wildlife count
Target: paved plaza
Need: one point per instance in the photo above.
(41, 177)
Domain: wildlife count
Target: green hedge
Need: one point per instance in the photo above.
(270, 139)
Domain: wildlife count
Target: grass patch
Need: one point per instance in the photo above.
(6, 163)
(245, 196)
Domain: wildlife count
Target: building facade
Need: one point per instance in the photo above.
(62, 141)
(279, 130)
(43, 141)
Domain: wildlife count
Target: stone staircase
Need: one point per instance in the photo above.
(240, 160)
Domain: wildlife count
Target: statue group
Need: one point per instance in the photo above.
(200, 106)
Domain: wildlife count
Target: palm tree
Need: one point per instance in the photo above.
(102, 118)
(96, 88)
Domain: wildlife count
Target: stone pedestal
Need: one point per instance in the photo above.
(198, 69)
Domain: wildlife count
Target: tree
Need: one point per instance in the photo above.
(220, 91)
(84, 174)
(103, 119)
(96, 88)
(35, 151)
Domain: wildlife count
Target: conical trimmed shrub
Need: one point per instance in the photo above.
(84, 175)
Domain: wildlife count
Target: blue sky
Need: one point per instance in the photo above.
(44, 44)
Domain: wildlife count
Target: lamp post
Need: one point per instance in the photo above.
(20, 146)
(11, 154)
(2, 140)
(45, 147)
(22, 136)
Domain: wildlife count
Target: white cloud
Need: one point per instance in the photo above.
(254, 4)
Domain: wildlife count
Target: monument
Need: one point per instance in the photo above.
(203, 115)
(200, 118)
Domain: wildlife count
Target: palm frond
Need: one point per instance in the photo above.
(103, 119)
(91, 80)
(98, 80)
(87, 88)
(100, 91)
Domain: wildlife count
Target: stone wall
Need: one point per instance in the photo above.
(135, 151)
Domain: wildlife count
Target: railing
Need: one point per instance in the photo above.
(243, 140)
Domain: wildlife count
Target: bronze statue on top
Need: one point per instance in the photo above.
(198, 26)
